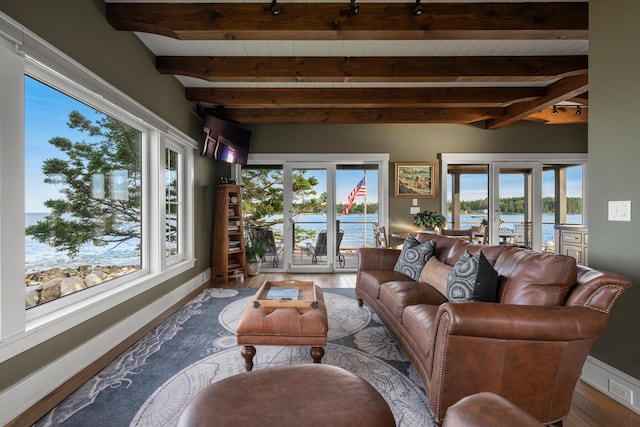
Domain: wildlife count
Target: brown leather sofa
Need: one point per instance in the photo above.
(529, 347)
(486, 409)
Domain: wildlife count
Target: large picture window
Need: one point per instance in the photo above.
(84, 188)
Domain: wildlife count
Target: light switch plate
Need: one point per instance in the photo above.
(620, 210)
(414, 209)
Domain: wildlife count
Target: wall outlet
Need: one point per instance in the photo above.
(621, 391)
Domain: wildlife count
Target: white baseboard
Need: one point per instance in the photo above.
(24, 394)
(605, 378)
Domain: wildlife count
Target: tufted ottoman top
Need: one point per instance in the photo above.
(284, 326)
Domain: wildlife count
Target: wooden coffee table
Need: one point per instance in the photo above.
(278, 315)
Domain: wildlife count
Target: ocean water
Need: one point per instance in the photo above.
(41, 256)
(358, 231)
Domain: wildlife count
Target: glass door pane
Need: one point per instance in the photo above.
(467, 196)
(562, 201)
(357, 213)
(309, 231)
(513, 220)
(262, 202)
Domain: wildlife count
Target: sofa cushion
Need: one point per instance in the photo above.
(414, 256)
(485, 288)
(472, 278)
(395, 296)
(435, 273)
(534, 278)
(462, 277)
(418, 320)
(370, 280)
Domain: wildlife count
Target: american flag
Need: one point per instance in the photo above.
(359, 190)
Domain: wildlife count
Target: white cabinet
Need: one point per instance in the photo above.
(573, 240)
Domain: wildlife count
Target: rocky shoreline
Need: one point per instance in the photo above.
(48, 285)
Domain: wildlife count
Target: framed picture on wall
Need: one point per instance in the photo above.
(416, 180)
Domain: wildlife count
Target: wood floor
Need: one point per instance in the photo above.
(589, 408)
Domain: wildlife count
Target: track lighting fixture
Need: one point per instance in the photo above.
(275, 10)
(354, 8)
(418, 9)
(554, 110)
(578, 110)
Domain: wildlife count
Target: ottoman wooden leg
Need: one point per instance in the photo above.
(316, 354)
(248, 351)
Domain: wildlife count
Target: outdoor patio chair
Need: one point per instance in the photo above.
(266, 235)
(320, 248)
(380, 236)
(479, 234)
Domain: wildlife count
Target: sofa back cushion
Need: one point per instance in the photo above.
(435, 273)
(459, 247)
(535, 278)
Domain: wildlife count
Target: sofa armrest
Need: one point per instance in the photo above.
(520, 322)
(377, 258)
(531, 355)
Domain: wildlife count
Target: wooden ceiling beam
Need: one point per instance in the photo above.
(375, 21)
(359, 115)
(563, 89)
(563, 115)
(364, 97)
(374, 69)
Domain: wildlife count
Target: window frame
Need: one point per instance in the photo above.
(492, 159)
(22, 53)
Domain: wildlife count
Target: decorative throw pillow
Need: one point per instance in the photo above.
(414, 256)
(467, 281)
(486, 286)
(435, 273)
(462, 278)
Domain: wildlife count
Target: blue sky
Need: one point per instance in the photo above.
(46, 114)
(474, 187)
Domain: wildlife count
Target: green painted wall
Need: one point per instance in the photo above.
(614, 153)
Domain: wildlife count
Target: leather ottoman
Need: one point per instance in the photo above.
(297, 395)
(302, 326)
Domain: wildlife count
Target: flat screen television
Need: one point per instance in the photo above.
(225, 141)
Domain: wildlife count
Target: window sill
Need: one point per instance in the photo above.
(46, 326)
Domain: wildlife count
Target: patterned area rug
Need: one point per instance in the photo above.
(150, 384)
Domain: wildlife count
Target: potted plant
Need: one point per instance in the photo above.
(430, 220)
(255, 249)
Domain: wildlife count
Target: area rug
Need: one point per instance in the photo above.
(150, 384)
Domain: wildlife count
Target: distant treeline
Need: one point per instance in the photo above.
(358, 208)
(515, 205)
(508, 205)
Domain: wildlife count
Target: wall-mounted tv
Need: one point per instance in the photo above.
(225, 141)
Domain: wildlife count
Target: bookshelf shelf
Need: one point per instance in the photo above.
(227, 254)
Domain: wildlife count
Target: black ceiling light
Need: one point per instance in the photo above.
(554, 110)
(578, 110)
(275, 10)
(418, 9)
(354, 8)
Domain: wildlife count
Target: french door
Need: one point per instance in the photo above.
(319, 208)
(308, 223)
(518, 197)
